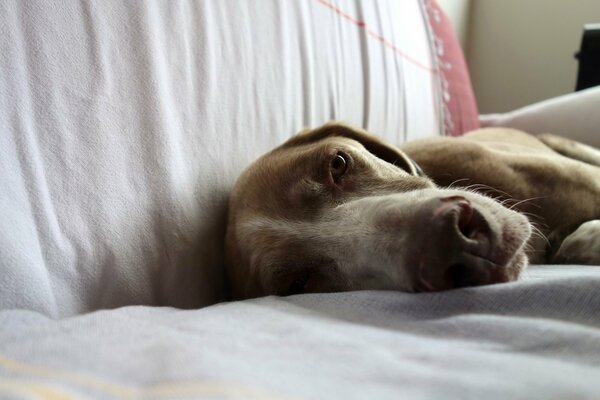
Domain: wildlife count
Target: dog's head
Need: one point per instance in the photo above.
(336, 209)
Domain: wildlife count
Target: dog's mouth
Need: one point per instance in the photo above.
(469, 244)
(477, 272)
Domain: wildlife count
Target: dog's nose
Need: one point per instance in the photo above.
(459, 240)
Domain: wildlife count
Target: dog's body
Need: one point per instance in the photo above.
(552, 180)
(336, 209)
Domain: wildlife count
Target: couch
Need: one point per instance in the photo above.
(123, 126)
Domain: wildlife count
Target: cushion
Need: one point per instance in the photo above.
(574, 115)
(460, 113)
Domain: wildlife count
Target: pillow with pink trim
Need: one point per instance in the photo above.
(459, 107)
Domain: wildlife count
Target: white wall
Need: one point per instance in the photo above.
(458, 14)
(521, 51)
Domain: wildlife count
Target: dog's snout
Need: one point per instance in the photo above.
(460, 238)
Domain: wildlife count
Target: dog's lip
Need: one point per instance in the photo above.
(494, 273)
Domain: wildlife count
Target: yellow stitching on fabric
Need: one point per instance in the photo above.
(124, 392)
(37, 390)
(77, 379)
(206, 389)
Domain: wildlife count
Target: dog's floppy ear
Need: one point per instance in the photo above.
(373, 144)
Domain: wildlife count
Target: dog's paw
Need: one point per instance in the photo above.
(582, 246)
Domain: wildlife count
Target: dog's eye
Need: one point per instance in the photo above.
(338, 165)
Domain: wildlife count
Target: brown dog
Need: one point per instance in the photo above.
(336, 209)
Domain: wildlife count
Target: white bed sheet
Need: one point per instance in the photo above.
(538, 338)
(123, 125)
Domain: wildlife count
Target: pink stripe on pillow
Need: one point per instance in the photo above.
(460, 110)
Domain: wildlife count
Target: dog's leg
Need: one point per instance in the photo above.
(572, 149)
(582, 246)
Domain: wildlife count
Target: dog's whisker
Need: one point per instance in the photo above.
(484, 190)
(506, 202)
(450, 186)
(526, 200)
(535, 231)
(481, 187)
(531, 216)
(528, 249)
(534, 219)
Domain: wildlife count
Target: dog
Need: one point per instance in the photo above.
(337, 209)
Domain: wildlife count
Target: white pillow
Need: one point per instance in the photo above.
(123, 126)
(575, 115)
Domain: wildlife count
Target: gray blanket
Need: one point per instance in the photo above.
(537, 338)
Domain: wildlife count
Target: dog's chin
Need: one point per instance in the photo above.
(493, 274)
(519, 264)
